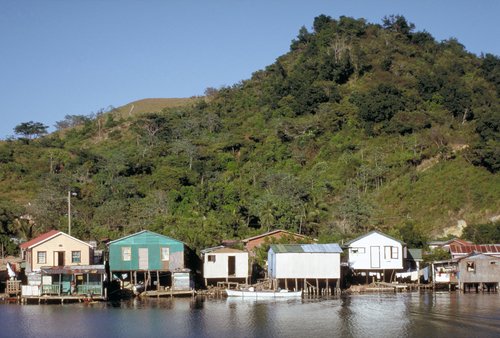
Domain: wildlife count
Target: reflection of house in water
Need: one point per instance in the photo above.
(480, 272)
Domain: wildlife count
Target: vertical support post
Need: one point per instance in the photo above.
(69, 212)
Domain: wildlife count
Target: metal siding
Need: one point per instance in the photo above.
(306, 265)
(153, 242)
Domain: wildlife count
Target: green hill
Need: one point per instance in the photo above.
(358, 126)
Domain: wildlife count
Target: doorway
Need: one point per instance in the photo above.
(375, 256)
(59, 258)
(231, 265)
(143, 259)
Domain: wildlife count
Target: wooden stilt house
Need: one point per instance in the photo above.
(146, 258)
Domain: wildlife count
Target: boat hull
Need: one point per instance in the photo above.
(263, 294)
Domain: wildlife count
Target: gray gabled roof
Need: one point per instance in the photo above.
(306, 248)
(368, 234)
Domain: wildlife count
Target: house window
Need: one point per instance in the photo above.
(391, 252)
(165, 254)
(76, 256)
(211, 258)
(126, 253)
(358, 250)
(387, 252)
(394, 252)
(471, 267)
(41, 257)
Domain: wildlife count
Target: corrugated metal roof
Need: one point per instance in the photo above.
(71, 269)
(330, 248)
(308, 248)
(482, 248)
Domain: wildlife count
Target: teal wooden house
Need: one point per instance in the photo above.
(138, 257)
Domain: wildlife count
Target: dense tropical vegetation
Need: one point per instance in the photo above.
(358, 126)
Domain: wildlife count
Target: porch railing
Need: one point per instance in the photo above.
(53, 289)
(87, 289)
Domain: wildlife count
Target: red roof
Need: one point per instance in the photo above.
(482, 248)
(39, 239)
(458, 241)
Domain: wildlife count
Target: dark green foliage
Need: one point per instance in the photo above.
(357, 127)
(379, 104)
(490, 68)
(457, 99)
(409, 122)
(486, 152)
(398, 24)
(412, 236)
(31, 129)
(488, 233)
(437, 254)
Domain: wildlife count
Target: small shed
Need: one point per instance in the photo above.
(311, 267)
(144, 256)
(479, 271)
(224, 264)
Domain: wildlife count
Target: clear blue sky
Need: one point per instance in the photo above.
(60, 57)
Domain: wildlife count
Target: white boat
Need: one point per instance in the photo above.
(263, 294)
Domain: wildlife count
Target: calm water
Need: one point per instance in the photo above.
(372, 315)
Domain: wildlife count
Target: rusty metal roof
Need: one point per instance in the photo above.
(72, 269)
(306, 248)
(482, 248)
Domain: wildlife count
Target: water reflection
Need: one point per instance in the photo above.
(371, 315)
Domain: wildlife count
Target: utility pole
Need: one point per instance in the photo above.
(69, 212)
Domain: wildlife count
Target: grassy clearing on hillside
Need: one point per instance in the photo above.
(437, 198)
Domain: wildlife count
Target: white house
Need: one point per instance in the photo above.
(377, 252)
(317, 265)
(228, 264)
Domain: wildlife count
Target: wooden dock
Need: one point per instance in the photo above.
(46, 299)
(168, 293)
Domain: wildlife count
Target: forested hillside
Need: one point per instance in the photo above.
(359, 126)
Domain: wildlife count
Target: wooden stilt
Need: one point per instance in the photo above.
(286, 283)
(296, 287)
(317, 287)
(327, 289)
